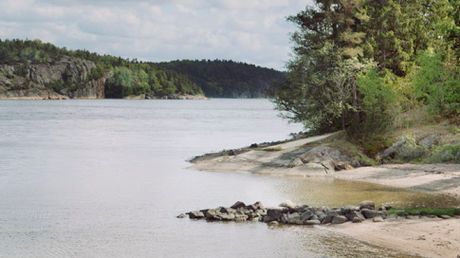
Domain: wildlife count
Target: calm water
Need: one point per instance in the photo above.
(106, 178)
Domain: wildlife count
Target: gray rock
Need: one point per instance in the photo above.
(273, 215)
(404, 149)
(288, 204)
(367, 205)
(292, 218)
(351, 215)
(445, 217)
(181, 216)
(196, 215)
(369, 214)
(306, 215)
(330, 216)
(339, 219)
(412, 217)
(237, 205)
(430, 140)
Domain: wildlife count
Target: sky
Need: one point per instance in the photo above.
(253, 31)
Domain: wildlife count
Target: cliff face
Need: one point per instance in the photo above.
(67, 78)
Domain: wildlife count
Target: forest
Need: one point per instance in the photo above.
(227, 79)
(127, 77)
(362, 65)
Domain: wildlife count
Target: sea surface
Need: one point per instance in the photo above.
(107, 178)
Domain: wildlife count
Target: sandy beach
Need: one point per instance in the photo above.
(425, 237)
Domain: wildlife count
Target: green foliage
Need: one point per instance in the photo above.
(355, 64)
(378, 103)
(425, 211)
(437, 84)
(227, 79)
(445, 153)
(124, 77)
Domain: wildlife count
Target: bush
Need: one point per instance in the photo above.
(446, 153)
(378, 104)
(437, 84)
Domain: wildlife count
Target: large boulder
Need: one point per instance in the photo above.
(430, 140)
(288, 204)
(405, 149)
(273, 215)
(367, 205)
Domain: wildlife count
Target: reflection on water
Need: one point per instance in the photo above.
(106, 178)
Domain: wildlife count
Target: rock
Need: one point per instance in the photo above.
(273, 215)
(404, 149)
(412, 217)
(430, 140)
(339, 219)
(68, 77)
(369, 214)
(367, 205)
(238, 205)
(255, 206)
(196, 215)
(239, 217)
(341, 165)
(354, 216)
(181, 216)
(292, 218)
(320, 215)
(445, 217)
(312, 222)
(329, 216)
(287, 204)
(378, 219)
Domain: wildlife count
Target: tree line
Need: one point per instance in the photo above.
(213, 78)
(226, 78)
(359, 63)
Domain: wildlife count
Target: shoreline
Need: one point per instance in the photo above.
(426, 237)
(275, 159)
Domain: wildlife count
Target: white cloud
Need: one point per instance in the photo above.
(159, 30)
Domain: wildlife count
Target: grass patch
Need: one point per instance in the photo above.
(425, 211)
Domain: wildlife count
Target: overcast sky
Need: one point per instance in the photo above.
(253, 31)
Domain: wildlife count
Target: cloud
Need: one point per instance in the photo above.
(159, 30)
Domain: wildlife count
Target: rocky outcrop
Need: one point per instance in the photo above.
(67, 78)
(292, 214)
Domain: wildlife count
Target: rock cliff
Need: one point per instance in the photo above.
(68, 77)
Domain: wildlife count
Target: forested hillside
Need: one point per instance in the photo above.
(227, 79)
(33, 69)
(30, 65)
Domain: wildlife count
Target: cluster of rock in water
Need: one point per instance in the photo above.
(289, 213)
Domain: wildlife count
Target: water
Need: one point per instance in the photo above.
(106, 178)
